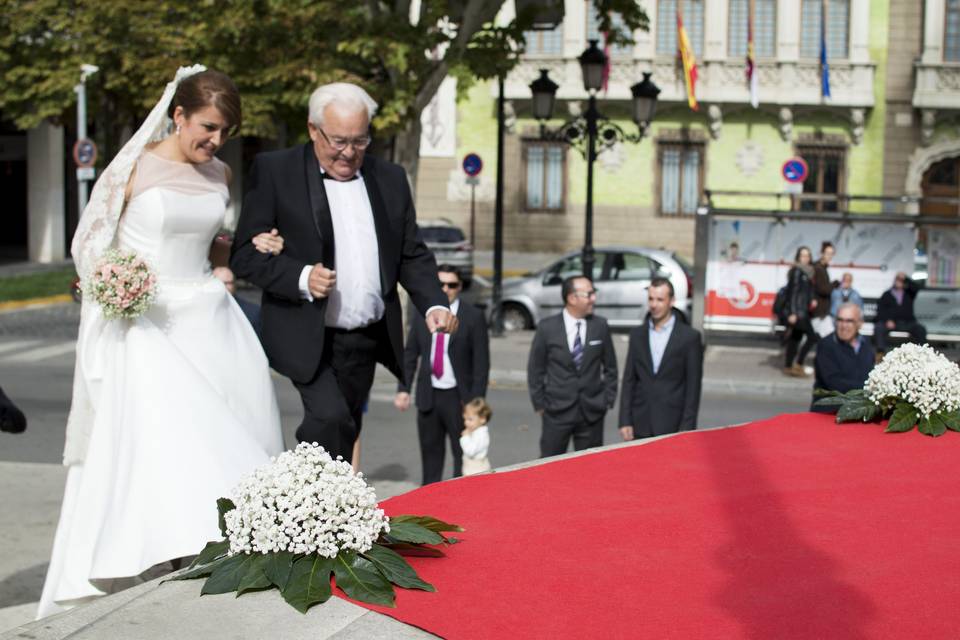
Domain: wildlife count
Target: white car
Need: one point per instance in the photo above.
(621, 277)
(449, 245)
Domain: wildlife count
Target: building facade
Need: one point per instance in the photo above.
(647, 194)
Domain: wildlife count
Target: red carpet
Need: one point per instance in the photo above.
(790, 528)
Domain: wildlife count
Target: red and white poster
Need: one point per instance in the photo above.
(749, 261)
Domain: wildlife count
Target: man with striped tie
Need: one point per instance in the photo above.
(572, 371)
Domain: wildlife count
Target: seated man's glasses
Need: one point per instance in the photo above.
(340, 144)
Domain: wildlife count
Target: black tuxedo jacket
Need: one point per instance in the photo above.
(555, 383)
(469, 351)
(668, 401)
(286, 192)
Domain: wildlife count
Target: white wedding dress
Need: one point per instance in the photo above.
(183, 404)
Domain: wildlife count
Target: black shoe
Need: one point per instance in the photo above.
(12, 419)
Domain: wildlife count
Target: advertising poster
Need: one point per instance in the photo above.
(749, 260)
(943, 255)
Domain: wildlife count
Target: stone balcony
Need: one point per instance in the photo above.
(936, 90)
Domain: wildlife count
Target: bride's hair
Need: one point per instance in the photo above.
(209, 89)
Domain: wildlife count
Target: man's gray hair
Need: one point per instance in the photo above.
(342, 94)
(850, 305)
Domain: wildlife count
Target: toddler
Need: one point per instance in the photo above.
(475, 439)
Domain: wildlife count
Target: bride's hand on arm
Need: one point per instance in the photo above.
(269, 242)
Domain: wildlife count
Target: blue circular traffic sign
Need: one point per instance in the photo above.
(85, 152)
(472, 164)
(795, 170)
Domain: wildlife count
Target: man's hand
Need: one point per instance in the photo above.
(626, 432)
(321, 281)
(890, 324)
(442, 321)
(792, 318)
(402, 400)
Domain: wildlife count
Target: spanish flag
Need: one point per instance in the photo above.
(689, 61)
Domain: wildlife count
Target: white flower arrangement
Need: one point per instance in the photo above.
(304, 501)
(914, 385)
(304, 516)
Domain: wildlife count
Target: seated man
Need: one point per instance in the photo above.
(845, 293)
(844, 359)
(895, 313)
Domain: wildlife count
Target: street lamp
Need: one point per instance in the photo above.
(584, 130)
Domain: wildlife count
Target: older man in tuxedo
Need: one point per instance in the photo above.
(572, 371)
(330, 308)
(452, 372)
(663, 372)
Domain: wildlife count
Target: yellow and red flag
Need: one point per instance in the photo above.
(689, 61)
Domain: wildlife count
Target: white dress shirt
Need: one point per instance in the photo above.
(570, 324)
(447, 380)
(659, 339)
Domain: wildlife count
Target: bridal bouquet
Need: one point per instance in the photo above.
(122, 284)
(912, 386)
(305, 516)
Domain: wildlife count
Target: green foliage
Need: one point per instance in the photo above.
(856, 406)
(904, 418)
(36, 285)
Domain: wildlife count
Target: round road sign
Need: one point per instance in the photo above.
(85, 152)
(795, 170)
(472, 164)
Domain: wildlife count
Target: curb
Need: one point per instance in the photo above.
(46, 301)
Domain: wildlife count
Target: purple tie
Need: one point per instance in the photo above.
(438, 357)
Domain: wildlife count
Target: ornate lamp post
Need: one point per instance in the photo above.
(584, 131)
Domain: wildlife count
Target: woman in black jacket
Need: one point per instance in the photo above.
(800, 303)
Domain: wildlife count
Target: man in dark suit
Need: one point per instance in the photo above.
(895, 313)
(844, 358)
(330, 309)
(452, 372)
(663, 372)
(572, 371)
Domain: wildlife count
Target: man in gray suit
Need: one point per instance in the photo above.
(572, 372)
(663, 372)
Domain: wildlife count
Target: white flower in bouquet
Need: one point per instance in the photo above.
(122, 284)
(304, 502)
(918, 375)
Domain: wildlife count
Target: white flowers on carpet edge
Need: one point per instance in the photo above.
(918, 375)
(304, 502)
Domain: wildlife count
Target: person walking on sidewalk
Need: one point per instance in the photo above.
(800, 301)
(454, 370)
(572, 371)
(823, 287)
(895, 313)
(663, 373)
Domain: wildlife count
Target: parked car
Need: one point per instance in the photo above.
(449, 245)
(621, 276)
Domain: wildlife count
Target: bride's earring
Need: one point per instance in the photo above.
(178, 129)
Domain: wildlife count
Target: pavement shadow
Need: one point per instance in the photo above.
(395, 471)
(778, 584)
(23, 586)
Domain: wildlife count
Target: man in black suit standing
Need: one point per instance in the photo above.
(572, 371)
(330, 309)
(453, 372)
(663, 372)
(895, 313)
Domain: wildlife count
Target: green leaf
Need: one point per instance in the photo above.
(951, 419)
(903, 419)
(411, 532)
(932, 425)
(202, 571)
(211, 552)
(224, 505)
(359, 579)
(858, 410)
(427, 522)
(407, 549)
(226, 577)
(830, 401)
(278, 567)
(309, 582)
(397, 570)
(826, 393)
(254, 578)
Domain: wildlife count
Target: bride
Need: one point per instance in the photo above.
(170, 409)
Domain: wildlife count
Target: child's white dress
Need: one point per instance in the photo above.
(475, 446)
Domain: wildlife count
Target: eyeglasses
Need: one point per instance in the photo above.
(340, 144)
(450, 285)
(586, 294)
(846, 321)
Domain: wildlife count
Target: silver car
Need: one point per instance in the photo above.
(449, 245)
(621, 276)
